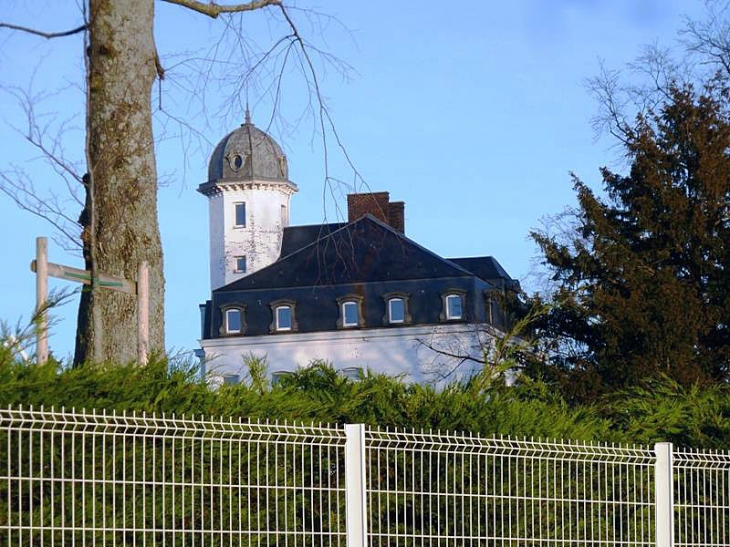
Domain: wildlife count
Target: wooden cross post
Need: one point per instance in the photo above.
(41, 295)
(143, 313)
(43, 269)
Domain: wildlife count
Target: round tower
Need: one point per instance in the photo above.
(248, 191)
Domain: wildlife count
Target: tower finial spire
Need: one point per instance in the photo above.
(247, 119)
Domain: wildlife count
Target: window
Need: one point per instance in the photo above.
(283, 318)
(453, 305)
(284, 216)
(233, 321)
(351, 373)
(350, 312)
(240, 266)
(279, 376)
(235, 161)
(202, 320)
(240, 220)
(231, 379)
(396, 310)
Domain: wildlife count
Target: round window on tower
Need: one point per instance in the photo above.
(235, 161)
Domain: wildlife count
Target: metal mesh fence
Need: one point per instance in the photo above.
(437, 489)
(702, 498)
(79, 478)
(91, 478)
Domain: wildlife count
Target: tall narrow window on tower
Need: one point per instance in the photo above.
(240, 215)
(284, 216)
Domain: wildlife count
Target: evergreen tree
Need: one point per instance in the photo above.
(643, 276)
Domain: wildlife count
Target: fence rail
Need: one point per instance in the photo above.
(702, 498)
(98, 478)
(78, 478)
(466, 489)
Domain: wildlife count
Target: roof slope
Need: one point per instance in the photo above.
(298, 237)
(484, 267)
(363, 251)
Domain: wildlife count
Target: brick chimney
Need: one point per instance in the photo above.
(396, 215)
(379, 205)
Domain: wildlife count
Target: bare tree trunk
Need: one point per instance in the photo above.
(123, 178)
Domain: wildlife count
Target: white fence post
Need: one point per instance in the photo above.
(664, 490)
(355, 494)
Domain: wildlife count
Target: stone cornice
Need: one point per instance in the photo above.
(222, 185)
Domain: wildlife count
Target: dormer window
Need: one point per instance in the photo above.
(453, 306)
(350, 312)
(396, 309)
(233, 321)
(240, 215)
(284, 316)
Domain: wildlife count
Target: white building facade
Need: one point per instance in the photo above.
(357, 294)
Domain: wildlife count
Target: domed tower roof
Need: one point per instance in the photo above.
(247, 154)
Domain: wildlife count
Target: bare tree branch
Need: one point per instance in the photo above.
(324, 114)
(46, 35)
(20, 189)
(213, 10)
(709, 39)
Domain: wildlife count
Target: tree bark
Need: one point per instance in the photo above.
(123, 229)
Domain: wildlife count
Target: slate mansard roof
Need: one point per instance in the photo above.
(368, 258)
(297, 237)
(364, 251)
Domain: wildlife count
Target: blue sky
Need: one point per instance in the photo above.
(473, 113)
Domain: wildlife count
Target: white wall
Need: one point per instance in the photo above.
(402, 351)
(259, 241)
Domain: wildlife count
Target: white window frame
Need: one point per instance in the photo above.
(447, 310)
(227, 325)
(390, 310)
(236, 269)
(278, 375)
(277, 305)
(235, 214)
(388, 298)
(277, 319)
(346, 303)
(352, 373)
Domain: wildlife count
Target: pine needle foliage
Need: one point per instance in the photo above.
(643, 274)
(657, 410)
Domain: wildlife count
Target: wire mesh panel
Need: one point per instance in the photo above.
(449, 489)
(80, 478)
(701, 498)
